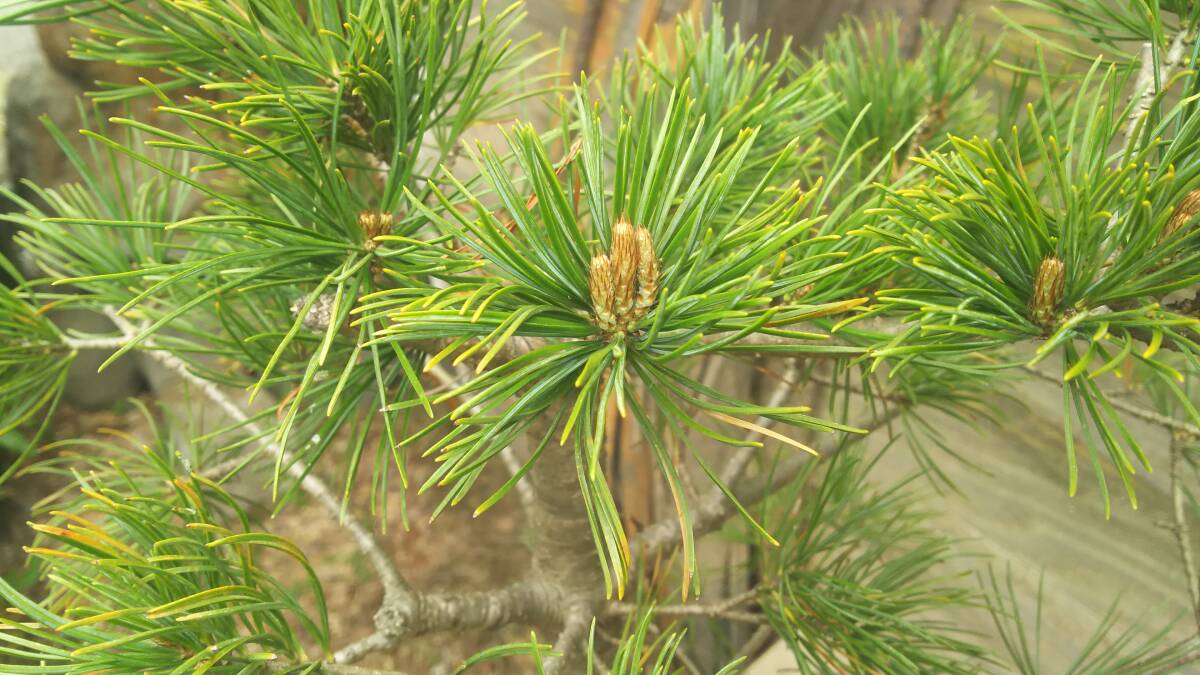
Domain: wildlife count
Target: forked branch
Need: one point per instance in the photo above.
(396, 589)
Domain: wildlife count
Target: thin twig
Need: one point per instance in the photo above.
(711, 611)
(530, 602)
(335, 669)
(739, 599)
(715, 608)
(1182, 529)
(395, 588)
(375, 642)
(741, 458)
(570, 639)
(1145, 88)
(714, 507)
(96, 343)
(404, 611)
(1137, 411)
(1155, 418)
(757, 642)
(1154, 665)
(710, 513)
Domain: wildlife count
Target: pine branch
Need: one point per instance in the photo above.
(339, 669)
(95, 343)
(1168, 423)
(396, 589)
(707, 191)
(565, 583)
(394, 585)
(528, 602)
(1148, 82)
(725, 609)
(570, 641)
(404, 612)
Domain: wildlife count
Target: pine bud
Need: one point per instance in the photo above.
(624, 282)
(624, 255)
(600, 282)
(647, 273)
(374, 224)
(1188, 207)
(1048, 287)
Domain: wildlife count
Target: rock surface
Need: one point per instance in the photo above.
(32, 88)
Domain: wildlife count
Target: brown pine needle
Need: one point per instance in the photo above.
(751, 426)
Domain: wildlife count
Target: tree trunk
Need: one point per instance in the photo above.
(564, 553)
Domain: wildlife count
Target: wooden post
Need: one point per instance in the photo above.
(609, 27)
(808, 21)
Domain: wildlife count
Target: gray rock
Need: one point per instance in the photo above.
(34, 90)
(31, 88)
(87, 388)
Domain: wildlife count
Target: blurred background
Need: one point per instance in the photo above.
(1018, 512)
